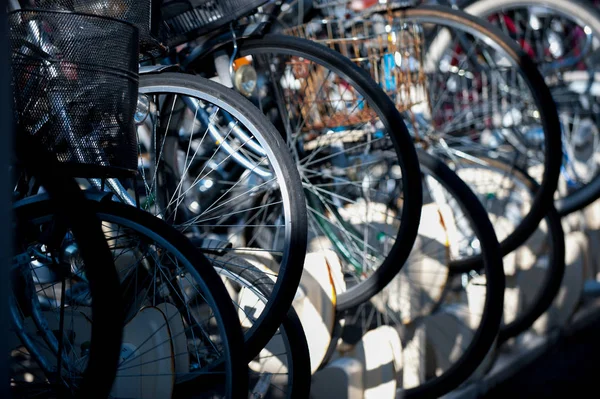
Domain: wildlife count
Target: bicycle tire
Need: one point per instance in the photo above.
(547, 109)
(300, 355)
(66, 200)
(385, 109)
(588, 16)
(549, 287)
(291, 328)
(156, 229)
(289, 275)
(485, 336)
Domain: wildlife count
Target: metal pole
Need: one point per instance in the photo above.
(6, 133)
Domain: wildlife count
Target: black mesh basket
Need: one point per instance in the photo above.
(185, 20)
(75, 88)
(145, 14)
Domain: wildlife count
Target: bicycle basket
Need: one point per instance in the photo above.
(343, 8)
(75, 88)
(144, 14)
(392, 54)
(185, 20)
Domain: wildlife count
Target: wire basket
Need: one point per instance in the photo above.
(75, 88)
(144, 14)
(390, 50)
(186, 20)
(323, 101)
(344, 8)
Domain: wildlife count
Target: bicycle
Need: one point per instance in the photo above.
(61, 112)
(464, 121)
(213, 206)
(569, 72)
(370, 258)
(448, 320)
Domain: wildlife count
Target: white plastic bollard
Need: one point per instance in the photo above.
(569, 296)
(527, 254)
(340, 379)
(315, 305)
(593, 255)
(415, 357)
(420, 284)
(447, 334)
(380, 353)
(591, 215)
(178, 337)
(513, 299)
(147, 364)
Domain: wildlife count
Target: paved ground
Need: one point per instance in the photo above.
(569, 369)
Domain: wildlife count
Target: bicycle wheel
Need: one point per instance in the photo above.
(282, 368)
(97, 275)
(492, 180)
(488, 100)
(180, 325)
(569, 64)
(446, 334)
(491, 315)
(344, 133)
(217, 169)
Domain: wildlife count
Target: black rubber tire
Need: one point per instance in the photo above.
(485, 336)
(300, 355)
(393, 122)
(551, 284)
(579, 199)
(154, 228)
(541, 94)
(589, 16)
(549, 287)
(291, 328)
(67, 202)
(289, 276)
